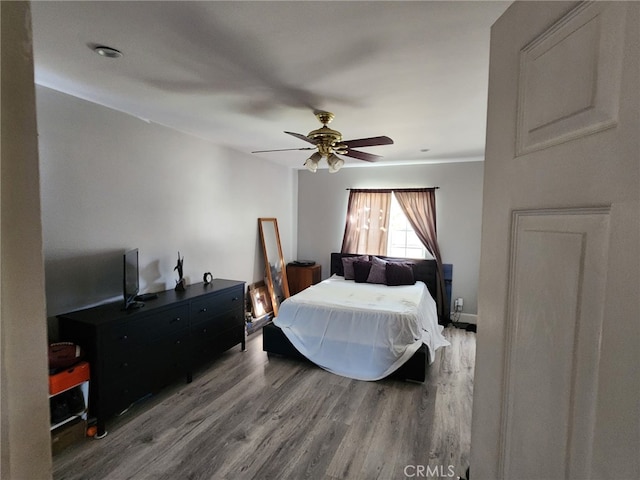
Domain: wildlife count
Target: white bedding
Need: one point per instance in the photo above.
(361, 330)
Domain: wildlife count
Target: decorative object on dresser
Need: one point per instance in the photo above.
(134, 353)
(303, 274)
(181, 284)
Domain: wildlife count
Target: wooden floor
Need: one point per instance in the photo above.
(248, 416)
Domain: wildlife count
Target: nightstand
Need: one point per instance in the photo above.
(302, 276)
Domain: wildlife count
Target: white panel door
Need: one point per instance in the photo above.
(557, 386)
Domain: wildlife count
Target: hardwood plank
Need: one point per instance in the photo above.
(281, 437)
(348, 404)
(414, 446)
(388, 428)
(247, 415)
(451, 435)
(352, 454)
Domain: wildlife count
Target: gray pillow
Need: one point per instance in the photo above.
(378, 272)
(347, 265)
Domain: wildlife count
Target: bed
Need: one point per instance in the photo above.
(361, 330)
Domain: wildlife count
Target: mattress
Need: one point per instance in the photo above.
(361, 330)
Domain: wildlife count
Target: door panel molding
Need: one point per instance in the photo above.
(569, 83)
(555, 313)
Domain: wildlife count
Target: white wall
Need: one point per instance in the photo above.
(322, 207)
(110, 182)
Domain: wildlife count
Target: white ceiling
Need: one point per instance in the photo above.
(240, 73)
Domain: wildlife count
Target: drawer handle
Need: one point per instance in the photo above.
(177, 319)
(235, 299)
(202, 310)
(124, 337)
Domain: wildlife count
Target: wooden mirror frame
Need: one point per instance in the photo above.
(265, 224)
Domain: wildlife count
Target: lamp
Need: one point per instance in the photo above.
(335, 163)
(312, 162)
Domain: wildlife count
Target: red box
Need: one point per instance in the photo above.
(71, 377)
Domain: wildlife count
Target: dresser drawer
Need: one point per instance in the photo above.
(153, 355)
(120, 395)
(167, 322)
(205, 347)
(142, 330)
(211, 305)
(169, 359)
(124, 336)
(217, 322)
(123, 364)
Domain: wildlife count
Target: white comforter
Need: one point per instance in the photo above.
(361, 330)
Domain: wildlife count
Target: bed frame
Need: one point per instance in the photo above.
(274, 341)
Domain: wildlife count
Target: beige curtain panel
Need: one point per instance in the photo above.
(419, 206)
(367, 222)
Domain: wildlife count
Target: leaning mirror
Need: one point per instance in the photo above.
(276, 273)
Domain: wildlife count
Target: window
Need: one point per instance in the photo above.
(398, 239)
(402, 240)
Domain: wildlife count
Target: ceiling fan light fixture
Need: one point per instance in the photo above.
(329, 142)
(335, 163)
(312, 162)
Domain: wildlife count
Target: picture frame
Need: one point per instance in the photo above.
(260, 300)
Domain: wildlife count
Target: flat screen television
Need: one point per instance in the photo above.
(131, 280)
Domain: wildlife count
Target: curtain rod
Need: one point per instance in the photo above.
(417, 189)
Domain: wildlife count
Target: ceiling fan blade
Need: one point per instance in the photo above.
(367, 157)
(302, 137)
(368, 142)
(284, 150)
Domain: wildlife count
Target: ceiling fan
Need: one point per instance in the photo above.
(329, 142)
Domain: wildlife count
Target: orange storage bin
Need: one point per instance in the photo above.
(68, 378)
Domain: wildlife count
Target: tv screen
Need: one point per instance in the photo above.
(130, 281)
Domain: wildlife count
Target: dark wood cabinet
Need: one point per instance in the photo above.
(302, 276)
(134, 353)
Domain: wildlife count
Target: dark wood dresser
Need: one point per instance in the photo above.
(134, 353)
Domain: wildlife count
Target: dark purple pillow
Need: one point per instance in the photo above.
(378, 273)
(400, 274)
(361, 271)
(347, 265)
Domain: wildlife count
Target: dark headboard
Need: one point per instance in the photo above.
(423, 270)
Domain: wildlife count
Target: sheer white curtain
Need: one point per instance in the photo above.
(367, 222)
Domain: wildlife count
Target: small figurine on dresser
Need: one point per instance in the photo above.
(180, 283)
